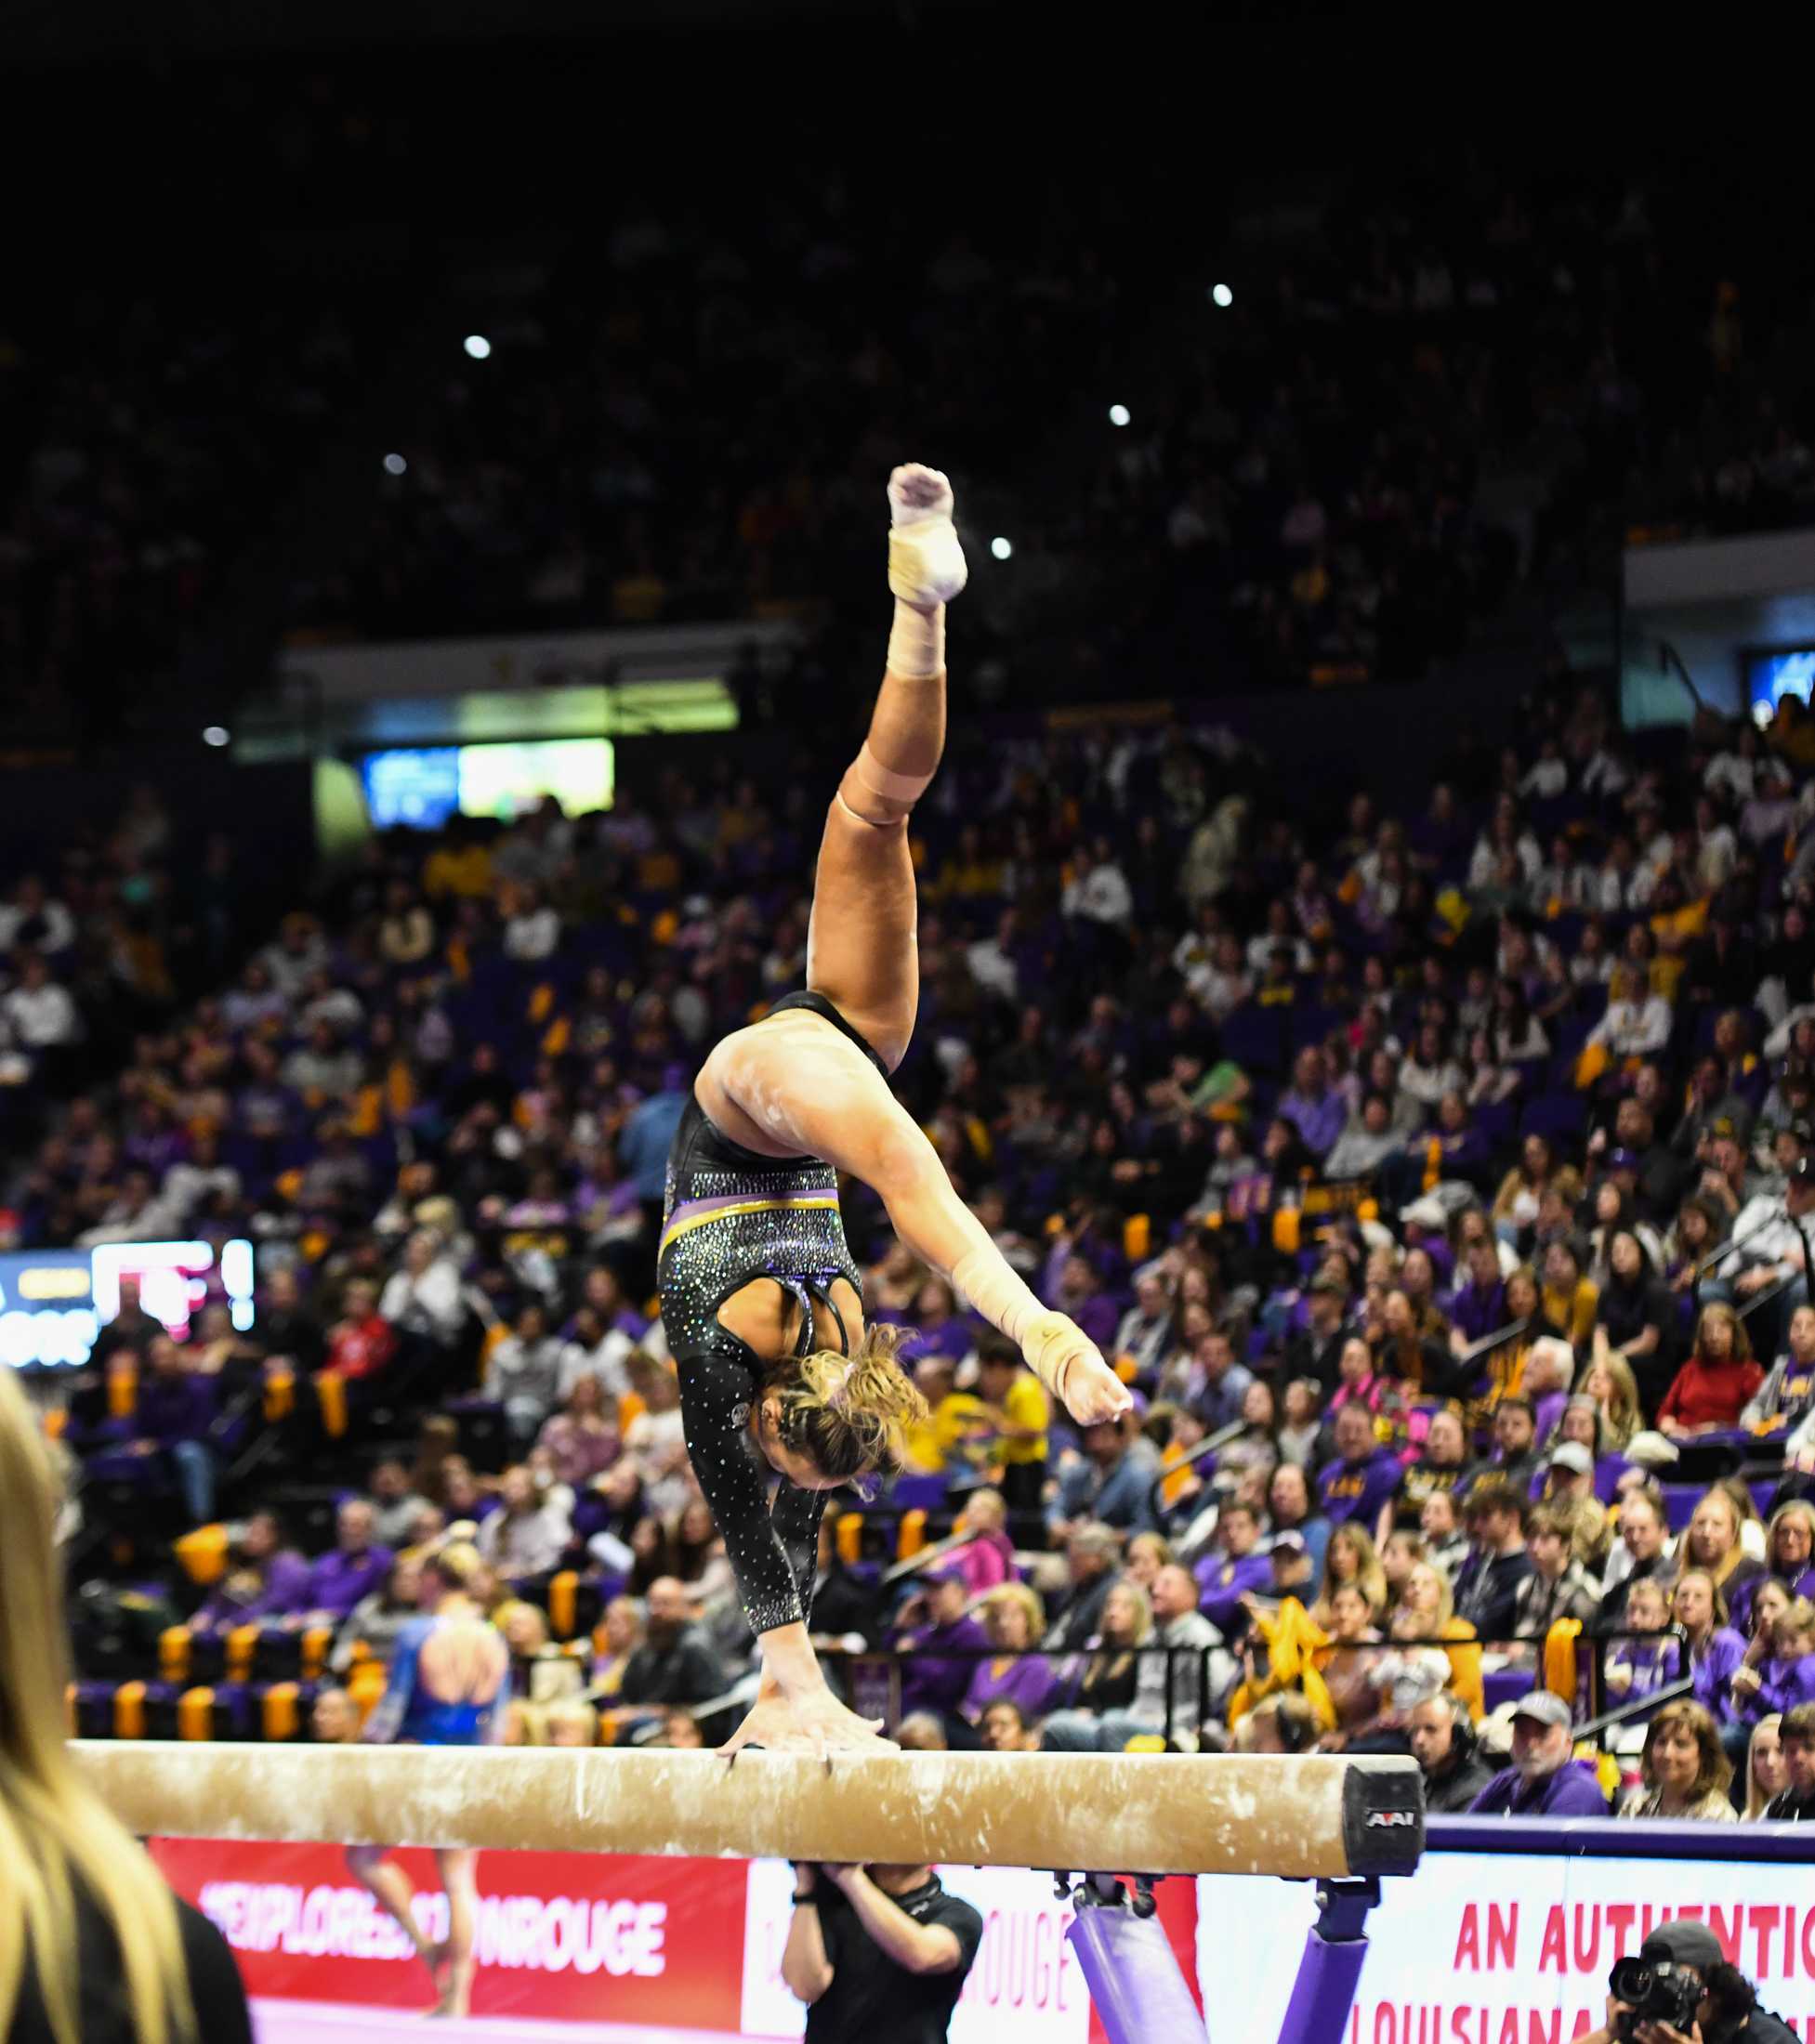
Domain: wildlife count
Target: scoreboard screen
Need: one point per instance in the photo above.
(55, 1302)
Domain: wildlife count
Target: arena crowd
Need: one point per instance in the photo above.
(1446, 1172)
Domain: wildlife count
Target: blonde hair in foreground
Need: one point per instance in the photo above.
(851, 1413)
(54, 1834)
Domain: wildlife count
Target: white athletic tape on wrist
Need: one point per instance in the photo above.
(916, 645)
(885, 781)
(995, 1291)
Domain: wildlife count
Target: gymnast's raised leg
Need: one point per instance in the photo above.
(863, 946)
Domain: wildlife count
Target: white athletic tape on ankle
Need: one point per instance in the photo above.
(926, 562)
(916, 645)
(885, 781)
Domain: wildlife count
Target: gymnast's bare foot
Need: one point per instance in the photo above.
(458, 1992)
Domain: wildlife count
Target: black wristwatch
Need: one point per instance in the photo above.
(809, 1896)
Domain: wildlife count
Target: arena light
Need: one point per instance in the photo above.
(395, 464)
(216, 734)
(478, 347)
(1222, 296)
(1000, 547)
(1118, 414)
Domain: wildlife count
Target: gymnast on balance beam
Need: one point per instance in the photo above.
(761, 1301)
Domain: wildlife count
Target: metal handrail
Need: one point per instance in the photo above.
(1212, 1443)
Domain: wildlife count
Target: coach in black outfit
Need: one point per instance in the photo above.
(878, 1953)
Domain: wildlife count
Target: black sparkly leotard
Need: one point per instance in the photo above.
(729, 1216)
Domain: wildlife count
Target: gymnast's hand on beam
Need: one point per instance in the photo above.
(814, 1722)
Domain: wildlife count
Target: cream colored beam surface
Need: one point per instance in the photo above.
(1130, 1813)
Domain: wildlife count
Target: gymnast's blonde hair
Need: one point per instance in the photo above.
(56, 1836)
(851, 1414)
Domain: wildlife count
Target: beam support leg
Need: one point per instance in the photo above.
(1330, 1969)
(1129, 1966)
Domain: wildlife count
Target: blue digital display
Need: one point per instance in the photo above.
(1769, 677)
(418, 787)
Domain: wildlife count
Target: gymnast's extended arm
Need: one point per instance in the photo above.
(820, 1093)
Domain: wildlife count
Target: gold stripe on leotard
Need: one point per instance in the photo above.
(806, 1199)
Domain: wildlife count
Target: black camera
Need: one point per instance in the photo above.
(1654, 1991)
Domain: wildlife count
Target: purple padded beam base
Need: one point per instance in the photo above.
(1133, 1976)
(1331, 1967)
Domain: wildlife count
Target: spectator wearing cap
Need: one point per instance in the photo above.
(1770, 1239)
(934, 1623)
(1585, 1477)
(1291, 1508)
(1315, 1350)
(1290, 1571)
(1712, 1388)
(1544, 1780)
(1363, 1476)
(1728, 2012)
(1558, 1586)
(1488, 1584)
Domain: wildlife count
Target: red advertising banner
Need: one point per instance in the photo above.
(569, 1937)
(561, 1937)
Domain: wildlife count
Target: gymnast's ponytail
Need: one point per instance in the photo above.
(851, 1414)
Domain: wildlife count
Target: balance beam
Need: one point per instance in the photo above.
(1303, 1817)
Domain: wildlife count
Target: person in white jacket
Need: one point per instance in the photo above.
(425, 1296)
(1636, 1023)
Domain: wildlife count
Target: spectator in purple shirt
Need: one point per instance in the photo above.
(932, 1623)
(1362, 1476)
(1233, 1569)
(265, 1580)
(1015, 1621)
(1715, 1649)
(1312, 1106)
(1477, 1306)
(174, 1414)
(1079, 1291)
(351, 1569)
(1542, 1781)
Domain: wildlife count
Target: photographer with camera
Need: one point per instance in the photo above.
(1680, 1990)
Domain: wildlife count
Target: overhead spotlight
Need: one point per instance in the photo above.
(395, 464)
(1000, 547)
(1222, 296)
(217, 734)
(478, 347)
(1118, 414)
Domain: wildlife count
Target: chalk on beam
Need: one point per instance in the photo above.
(1298, 1816)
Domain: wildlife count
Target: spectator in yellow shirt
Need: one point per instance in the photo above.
(937, 1443)
(1016, 1405)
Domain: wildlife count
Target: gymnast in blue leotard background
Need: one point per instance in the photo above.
(448, 1685)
